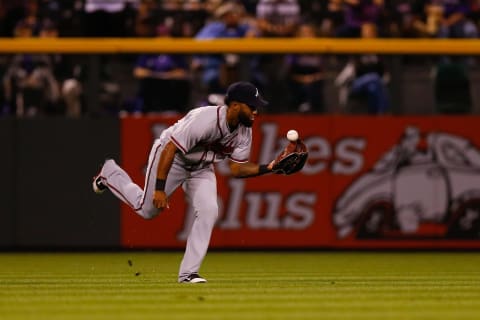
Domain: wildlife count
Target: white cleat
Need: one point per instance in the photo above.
(193, 278)
(97, 185)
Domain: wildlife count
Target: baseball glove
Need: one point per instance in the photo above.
(292, 159)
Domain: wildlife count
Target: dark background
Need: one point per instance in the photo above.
(46, 171)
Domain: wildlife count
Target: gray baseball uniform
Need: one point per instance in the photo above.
(202, 136)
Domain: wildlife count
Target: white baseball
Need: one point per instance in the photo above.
(292, 135)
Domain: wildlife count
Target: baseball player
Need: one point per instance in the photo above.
(184, 155)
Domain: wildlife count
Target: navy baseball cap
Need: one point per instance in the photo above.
(245, 92)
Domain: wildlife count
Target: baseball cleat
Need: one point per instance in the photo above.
(98, 186)
(193, 278)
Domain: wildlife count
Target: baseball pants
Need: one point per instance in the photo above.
(201, 193)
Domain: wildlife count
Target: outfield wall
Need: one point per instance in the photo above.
(370, 182)
(46, 168)
(7, 184)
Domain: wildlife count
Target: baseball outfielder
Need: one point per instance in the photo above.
(184, 155)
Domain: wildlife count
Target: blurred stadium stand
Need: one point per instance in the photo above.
(108, 86)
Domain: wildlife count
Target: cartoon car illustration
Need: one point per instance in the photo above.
(415, 193)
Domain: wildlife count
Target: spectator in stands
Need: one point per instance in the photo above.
(219, 70)
(29, 82)
(427, 19)
(164, 80)
(400, 17)
(107, 18)
(306, 76)
(455, 22)
(68, 72)
(145, 18)
(194, 16)
(278, 18)
(326, 15)
(445, 19)
(210, 6)
(358, 13)
(251, 6)
(474, 14)
(187, 17)
(66, 15)
(43, 84)
(363, 82)
(32, 15)
(451, 77)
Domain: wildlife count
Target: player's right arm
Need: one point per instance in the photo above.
(160, 200)
(248, 169)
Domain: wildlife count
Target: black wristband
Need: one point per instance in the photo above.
(160, 185)
(263, 168)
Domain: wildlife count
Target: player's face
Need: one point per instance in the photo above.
(246, 115)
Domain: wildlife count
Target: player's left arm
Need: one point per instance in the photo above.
(248, 169)
(160, 199)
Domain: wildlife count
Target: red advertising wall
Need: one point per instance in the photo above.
(370, 182)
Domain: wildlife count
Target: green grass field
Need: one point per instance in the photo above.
(259, 285)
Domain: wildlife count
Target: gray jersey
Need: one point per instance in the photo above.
(203, 137)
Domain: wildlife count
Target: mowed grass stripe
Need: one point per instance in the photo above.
(205, 310)
(44, 296)
(254, 306)
(390, 302)
(264, 286)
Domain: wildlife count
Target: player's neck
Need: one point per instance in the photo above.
(232, 120)
(231, 127)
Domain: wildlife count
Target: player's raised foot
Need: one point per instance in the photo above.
(194, 278)
(98, 186)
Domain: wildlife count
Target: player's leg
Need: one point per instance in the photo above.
(122, 186)
(176, 176)
(201, 193)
